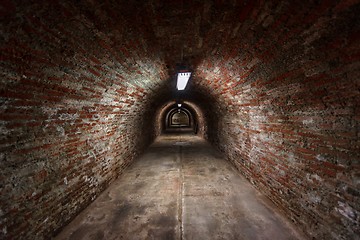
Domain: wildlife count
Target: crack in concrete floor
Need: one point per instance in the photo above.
(180, 191)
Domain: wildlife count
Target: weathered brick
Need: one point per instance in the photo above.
(85, 87)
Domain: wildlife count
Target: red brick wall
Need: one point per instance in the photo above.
(287, 111)
(277, 83)
(74, 100)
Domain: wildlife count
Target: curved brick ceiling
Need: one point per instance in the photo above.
(276, 83)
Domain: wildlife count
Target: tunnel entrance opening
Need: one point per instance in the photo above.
(187, 118)
(179, 120)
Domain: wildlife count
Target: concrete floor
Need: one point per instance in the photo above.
(181, 188)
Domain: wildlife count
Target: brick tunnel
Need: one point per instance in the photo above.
(88, 94)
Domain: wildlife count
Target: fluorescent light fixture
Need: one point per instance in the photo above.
(179, 104)
(182, 80)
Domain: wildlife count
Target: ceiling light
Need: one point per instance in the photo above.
(182, 80)
(179, 104)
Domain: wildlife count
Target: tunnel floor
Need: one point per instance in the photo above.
(180, 188)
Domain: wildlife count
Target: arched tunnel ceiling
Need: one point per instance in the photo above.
(225, 43)
(184, 31)
(275, 84)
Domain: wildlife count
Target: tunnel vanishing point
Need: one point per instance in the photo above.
(88, 85)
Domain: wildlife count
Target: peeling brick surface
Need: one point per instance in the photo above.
(275, 86)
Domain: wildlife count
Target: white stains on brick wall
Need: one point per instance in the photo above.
(314, 197)
(313, 177)
(320, 157)
(308, 121)
(95, 117)
(92, 156)
(254, 154)
(347, 211)
(91, 180)
(61, 130)
(4, 230)
(263, 137)
(291, 158)
(107, 162)
(50, 111)
(69, 116)
(3, 129)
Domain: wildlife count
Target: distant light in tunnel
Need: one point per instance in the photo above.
(182, 80)
(179, 104)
